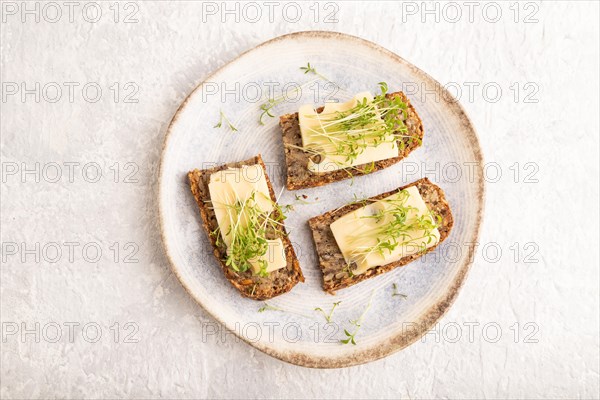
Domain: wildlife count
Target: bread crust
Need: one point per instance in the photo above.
(249, 285)
(331, 260)
(298, 175)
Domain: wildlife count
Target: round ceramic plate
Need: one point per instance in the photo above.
(288, 327)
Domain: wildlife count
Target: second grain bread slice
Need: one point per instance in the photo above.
(336, 274)
(298, 174)
(249, 284)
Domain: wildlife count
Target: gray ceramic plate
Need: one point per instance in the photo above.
(299, 334)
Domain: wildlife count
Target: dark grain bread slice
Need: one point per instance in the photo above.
(331, 260)
(298, 174)
(249, 284)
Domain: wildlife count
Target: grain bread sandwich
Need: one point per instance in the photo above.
(342, 140)
(245, 227)
(369, 237)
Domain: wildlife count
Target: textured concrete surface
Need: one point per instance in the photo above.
(526, 321)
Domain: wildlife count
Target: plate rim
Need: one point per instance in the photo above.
(431, 316)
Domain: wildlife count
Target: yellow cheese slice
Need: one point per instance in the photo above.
(352, 232)
(311, 129)
(238, 184)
